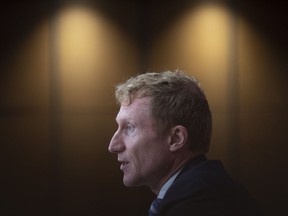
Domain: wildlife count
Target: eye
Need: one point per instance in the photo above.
(130, 128)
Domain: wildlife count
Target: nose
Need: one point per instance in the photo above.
(116, 144)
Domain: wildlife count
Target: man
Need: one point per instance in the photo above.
(164, 131)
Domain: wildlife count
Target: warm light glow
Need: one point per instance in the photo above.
(207, 35)
(91, 52)
(81, 40)
(199, 42)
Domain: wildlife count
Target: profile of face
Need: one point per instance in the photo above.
(141, 150)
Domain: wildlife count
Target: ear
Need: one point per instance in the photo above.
(179, 136)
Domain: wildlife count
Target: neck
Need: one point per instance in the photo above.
(178, 163)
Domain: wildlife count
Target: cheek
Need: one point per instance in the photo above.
(146, 157)
(145, 151)
(141, 155)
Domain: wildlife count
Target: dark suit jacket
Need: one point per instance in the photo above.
(203, 188)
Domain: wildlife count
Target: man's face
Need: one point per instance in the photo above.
(143, 152)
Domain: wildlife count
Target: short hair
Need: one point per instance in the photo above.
(176, 99)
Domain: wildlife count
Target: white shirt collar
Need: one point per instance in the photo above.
(167, 185)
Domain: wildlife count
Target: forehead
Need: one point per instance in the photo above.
(139, 109)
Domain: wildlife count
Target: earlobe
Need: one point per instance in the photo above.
(179, 136)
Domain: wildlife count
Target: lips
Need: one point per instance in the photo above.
(123, 164)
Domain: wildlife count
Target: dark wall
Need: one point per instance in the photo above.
(57, 108)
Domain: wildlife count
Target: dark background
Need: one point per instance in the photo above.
(57, 118)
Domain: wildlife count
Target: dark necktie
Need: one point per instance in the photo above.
(155, 206)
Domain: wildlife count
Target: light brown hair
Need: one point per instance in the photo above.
(177, 99)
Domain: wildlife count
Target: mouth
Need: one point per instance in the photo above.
(123, 165)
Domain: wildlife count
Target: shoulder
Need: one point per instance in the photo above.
(204, 189)
(202, 178)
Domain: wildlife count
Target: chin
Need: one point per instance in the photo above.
(130, 182)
